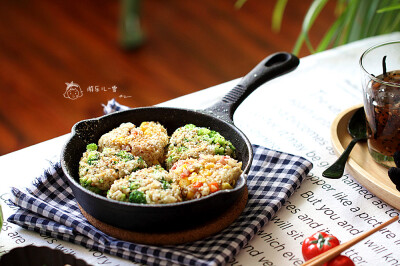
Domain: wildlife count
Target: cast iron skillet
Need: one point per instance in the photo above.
(173, 216)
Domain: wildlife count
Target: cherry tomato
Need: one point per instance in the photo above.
(318, 243)
(340, 260)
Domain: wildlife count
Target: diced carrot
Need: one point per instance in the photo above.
(197, 184)
(214, 187)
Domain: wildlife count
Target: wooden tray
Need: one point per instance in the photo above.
(361, 165)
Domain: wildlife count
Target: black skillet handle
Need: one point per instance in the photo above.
(271, 67)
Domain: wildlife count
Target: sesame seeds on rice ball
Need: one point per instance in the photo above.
(208, 174)
(98, 170)
(151, 185)
(190, 141)
(147, 141)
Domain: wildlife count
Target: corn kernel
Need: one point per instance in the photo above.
(227, 166)
(226, 186)
(190, 194)
(198, 179)
(209, 165)
(184, 182)
(206, 173)
(193, 175)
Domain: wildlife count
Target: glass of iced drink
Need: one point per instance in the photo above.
(380, 67)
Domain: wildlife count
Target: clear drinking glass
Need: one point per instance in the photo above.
(380, 67)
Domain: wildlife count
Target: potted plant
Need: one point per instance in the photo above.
(356, 19)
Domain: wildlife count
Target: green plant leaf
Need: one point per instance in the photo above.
(349, 21)
(277, 15)
(395, 25)
(308, 21)
(359, 21)
(386, 18)
(330, 36)
(388, 8)
(239, 3)
(369, 17)
(356, 19)
(340, 7)
(375, 23)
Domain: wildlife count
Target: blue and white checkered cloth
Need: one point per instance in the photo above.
(48, 207)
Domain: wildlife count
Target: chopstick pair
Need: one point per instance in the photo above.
(334, 252)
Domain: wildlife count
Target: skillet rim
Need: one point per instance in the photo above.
(75, 134)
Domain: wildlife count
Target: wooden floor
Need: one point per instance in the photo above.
(189, 46)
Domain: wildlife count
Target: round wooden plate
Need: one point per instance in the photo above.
(178, 237)
(361, 165)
